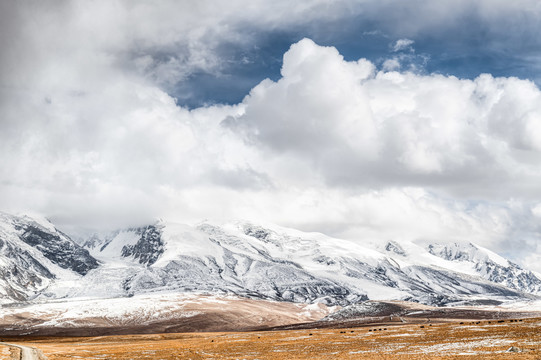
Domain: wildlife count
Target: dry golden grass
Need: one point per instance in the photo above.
(470, 340)
(9, 353)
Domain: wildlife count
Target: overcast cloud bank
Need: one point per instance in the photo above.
(92, 136)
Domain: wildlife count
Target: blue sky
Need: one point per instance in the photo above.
(365, 119)
(468, 45)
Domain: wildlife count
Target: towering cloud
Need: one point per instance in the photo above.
(357, 126)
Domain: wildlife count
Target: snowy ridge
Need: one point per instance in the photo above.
(490, 266)
(33, 255)
(154, 313)
(245, 259)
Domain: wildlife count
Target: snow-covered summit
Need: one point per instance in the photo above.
(252, 260)
(33, 253)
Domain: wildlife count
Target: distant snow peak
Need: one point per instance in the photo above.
(490, 266)
(257, 231)
(455, 251)
(395, 248)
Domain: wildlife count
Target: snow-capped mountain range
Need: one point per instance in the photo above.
(40, 263)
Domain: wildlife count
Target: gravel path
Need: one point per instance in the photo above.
(27, 353)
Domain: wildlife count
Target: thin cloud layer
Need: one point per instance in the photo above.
(402, 45)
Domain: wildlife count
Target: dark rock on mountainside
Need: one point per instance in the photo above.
(32, 255)
(149, 247)
(59, 248)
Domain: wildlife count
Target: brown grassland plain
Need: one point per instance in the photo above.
(510, 339)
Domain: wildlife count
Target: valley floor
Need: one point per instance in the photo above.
(474, 339)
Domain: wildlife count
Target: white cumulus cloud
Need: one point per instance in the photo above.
(356, 126)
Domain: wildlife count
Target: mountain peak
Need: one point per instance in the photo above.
(258, 261)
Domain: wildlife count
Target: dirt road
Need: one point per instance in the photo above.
(27, 353)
